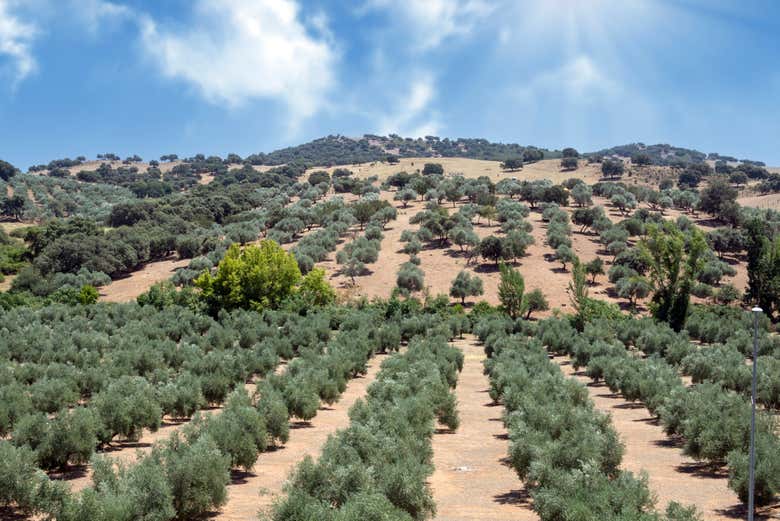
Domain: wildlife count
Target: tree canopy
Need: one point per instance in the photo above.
(256, 277)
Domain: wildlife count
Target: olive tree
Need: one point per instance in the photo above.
(465, 285)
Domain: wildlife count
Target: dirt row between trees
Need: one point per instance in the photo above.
(672, 475)
(256, 490)
(471, 480)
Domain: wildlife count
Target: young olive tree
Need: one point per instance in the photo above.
(465, 285)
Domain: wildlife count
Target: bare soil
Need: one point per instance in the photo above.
(128, 288)
(672, 475)
(472, 481)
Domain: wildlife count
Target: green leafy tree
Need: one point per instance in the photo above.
(565, 255)
(512, 164)
(612, 168)
(675, 262)
(569, 163)
(510, 291)
(633, 288)
(7, 170)
(595, 268)
(720, 200)
(410, 278)
(492, 248)
(406, 196)
(465, 285)
(257, 277)
(88, 294)
(535, 301)
(764, 273)
(319, 176)
(13, 207)
(488, 213)
(198, 474)
(315, 290)
(433, 169)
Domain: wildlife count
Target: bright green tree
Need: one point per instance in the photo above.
(257, 277)
(315, 290)
(675, 262)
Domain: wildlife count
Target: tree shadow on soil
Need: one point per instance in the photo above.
(671, 442)
(739, 511)
(629, 405)
(241, 477)
(443, 430)
(703, 470)
(70, 473)
(513, 497)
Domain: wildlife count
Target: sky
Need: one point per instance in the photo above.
(152, 77)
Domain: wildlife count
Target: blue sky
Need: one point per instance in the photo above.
(81, 77)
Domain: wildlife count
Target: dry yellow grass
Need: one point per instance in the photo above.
(761, 201)
(472, 168)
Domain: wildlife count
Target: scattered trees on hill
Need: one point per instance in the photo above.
(531, 155)
(641, 159)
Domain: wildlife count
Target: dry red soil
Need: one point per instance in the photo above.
(472, 481)
(672, 475)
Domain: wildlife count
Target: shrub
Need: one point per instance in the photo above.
(126, 407)
(410, 278)
(272, 407)
(197, 473)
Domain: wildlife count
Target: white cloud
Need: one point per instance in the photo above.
(413, 116)
(16, 37)
(94, 13)
(433, 21)
(236, 50)
(580, 80)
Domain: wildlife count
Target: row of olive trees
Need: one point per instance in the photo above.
(362, 472)
(712, 420)
(190, 471)
(567, 453)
